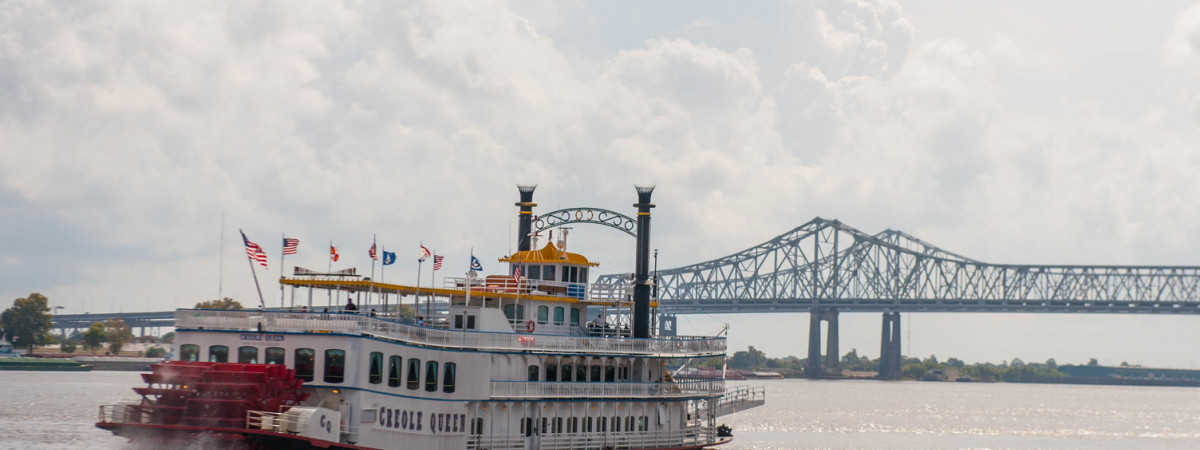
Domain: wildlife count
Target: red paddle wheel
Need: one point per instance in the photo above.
(204, 396)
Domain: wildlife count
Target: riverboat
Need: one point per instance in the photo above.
(509, 362)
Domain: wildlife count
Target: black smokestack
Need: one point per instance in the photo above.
(525, 217)
(641, 287)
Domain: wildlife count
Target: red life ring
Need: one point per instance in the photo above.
(529, 326)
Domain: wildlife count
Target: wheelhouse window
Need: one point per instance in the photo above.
(335, 365)
(471, 322)
(218, 353)
(275, 355)
(375, 370)
(414, 373)
(448, 377)
(248, 355)
(543, 314)
(548, 273)
(431, 370)
(558, 315)
(566, 274)
(189, 352)
(394, 369)
(583, 275)
(304, 361)
(574, 275)
(535, 272)
(574, 316)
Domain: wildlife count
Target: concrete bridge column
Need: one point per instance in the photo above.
(833, 359)
(889, 348)
(812, 367)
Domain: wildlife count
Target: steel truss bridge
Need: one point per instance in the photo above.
(824, 267)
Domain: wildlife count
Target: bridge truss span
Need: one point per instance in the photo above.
(827, 264)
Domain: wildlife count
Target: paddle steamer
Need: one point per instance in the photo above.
(511, 362)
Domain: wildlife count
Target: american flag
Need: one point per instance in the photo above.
(372, 252)
(517, 276)
(333, 254)
(254, 251)
(437, 262)
(290, 245)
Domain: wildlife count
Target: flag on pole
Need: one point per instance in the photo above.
(255, 251)
(475, 264)
(372, 252)
(290, 245)
(437, 262)
(517, 276)
(424, 254)
(333, 254)
(389, 258)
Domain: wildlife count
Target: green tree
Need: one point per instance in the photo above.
(27, 322)
(751, 359)
(225, 303)
(155, 352)
(118, 334)
(1093, 362)
(167, 338)
(93, 338)
(67, 347)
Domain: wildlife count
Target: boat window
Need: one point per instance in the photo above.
(218, 353)
(616, 424)
(551, 372)
(510, 311)
(558, 315)
(535, 272)
(643, 423)
(566, 372)
(583, 275)
(548, 273)
(414, 373)
(458, 322)
(587, 424)
(335, 365)
(623, 373)
(557, 427)
(527, 426)
(543, 314)
(629, 423)
(520, 312)
(610, 374)
(533, 373)
(572, 424)
(375, 371)
(304, 363)
(431, 369)
(603, 425)
(574, 275)
(581, 372)
(595, 374)
(448, 378)
(566, 272)
(575, 316)
(394, 368)
(477, 425)
(248, 355)
(189, 352)
(470, 322)
(545, 421)
(275, 355)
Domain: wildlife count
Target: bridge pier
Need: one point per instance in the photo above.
(889, 348)
(832, 364)
(666, 325)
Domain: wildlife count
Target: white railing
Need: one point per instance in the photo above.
(583, 389)
(583, 292)
(741, 398)
(690, 436)
(251, 321)
(121, 414)
(291, 424)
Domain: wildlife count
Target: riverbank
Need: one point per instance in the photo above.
(43, 364)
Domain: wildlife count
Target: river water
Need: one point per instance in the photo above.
(56, 410)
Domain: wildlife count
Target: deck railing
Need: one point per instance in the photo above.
(741, 398)
(250, 321)
(691, 436)
(567, 389)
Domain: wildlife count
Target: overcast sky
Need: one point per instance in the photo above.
(1012, 132)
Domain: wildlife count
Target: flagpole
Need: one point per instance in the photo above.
(417, 299)
(330, 270)
(221, 267)
(432, 282)
(261, 303)
(372, 287)
(281, 256)
(382, 269)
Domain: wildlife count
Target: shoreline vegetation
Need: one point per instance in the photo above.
(855, 366)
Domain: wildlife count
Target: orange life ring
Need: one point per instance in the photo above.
(529, 326)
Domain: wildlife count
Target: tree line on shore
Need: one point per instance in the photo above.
(1014, 370)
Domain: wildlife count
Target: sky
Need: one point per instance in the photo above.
(1010, 132)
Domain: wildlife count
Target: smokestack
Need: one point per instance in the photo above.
(525, 217)
(641, 287)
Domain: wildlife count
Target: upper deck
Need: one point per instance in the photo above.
(355, 324)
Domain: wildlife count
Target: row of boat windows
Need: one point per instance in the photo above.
(304, 359)
(579, 373)
(413, 381)
(555, 425)
(517, 312)
(548, 272)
